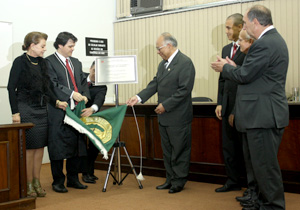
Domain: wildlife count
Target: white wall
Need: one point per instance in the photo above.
(90, 18)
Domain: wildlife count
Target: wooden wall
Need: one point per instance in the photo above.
(207, 164)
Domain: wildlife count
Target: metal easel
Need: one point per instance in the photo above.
(117, 169)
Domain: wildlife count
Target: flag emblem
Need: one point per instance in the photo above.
(102, 127)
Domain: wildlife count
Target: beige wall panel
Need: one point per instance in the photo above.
(123, 8)
(201, 36)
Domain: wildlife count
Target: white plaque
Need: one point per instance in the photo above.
(116, 70)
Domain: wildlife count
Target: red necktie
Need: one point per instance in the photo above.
(234, 51)
(71, 75)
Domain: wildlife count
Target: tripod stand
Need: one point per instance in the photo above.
(117, 146)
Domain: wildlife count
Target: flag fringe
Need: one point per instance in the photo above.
(83, 130)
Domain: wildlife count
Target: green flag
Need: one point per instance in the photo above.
(102, 128)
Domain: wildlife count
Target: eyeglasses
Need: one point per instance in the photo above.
(159, 48)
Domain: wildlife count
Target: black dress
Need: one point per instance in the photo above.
(29, 92)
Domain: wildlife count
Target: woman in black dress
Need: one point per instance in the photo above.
(29, 92)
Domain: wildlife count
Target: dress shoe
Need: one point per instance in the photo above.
(247, 191)
(248, 204)
(227, 188)
(94, 177)
(88, 179)
(60, 188)
(244, 198)
(164, 186)
(76, 185)
(175, 189)
(251, 208)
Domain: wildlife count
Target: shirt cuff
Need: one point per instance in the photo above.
(95, 107)
(139, 99)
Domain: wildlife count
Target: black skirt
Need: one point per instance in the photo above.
(36, 137)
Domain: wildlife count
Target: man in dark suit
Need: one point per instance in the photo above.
(173, 82)
(97, 99)
(65, 142)
(261, 104)
(231, 139)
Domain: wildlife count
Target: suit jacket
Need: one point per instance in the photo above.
(64, 141)
(97, 94)
(227, 88)
(174, 86)
(261, 101)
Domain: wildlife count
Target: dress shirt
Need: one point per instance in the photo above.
(94, 106)
(266, 30)
(171, 58)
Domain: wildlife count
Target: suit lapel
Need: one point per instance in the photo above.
(237, 54)
(228, 51)
(63, 68)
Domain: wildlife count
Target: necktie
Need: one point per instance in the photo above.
(71, 75)
(166, 64)
(234, 51)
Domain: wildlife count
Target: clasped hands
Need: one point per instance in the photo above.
(220, 62)
(134, 100)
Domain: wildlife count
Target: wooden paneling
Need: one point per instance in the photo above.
(207, 164)
(206, 140)
(4, 165)
(13, 189)
(288, 155)
(129, 135)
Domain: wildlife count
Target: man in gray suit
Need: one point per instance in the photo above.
(65, 142)
(261, 105)
(173, 82)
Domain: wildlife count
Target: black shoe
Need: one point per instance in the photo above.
(251, 208)
(88, 179)
(94, 177)
(248, 204)
(244, 198)
(76, 185)
(164, 186)
(227, 188)
(175, 189)
(247, 191)
(60, 188)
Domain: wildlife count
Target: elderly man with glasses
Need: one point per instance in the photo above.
(173, 83)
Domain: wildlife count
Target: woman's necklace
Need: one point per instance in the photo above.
(31, 61)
